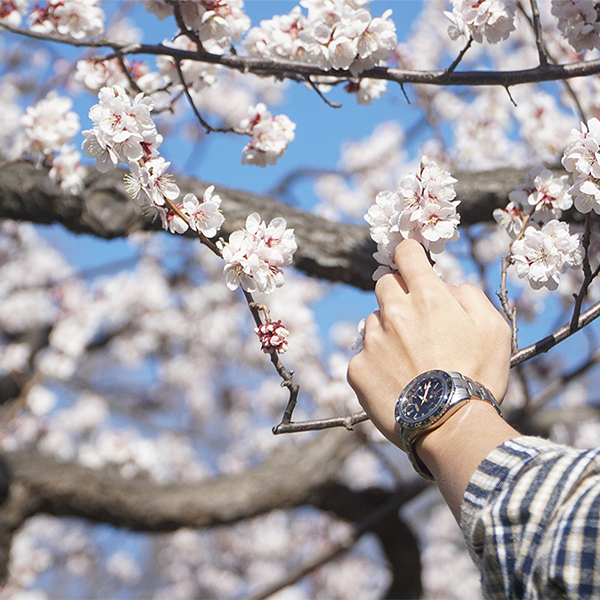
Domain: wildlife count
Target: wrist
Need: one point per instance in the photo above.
(460, 444)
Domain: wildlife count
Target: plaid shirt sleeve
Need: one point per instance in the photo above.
(531, 520)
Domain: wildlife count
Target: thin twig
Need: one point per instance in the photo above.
(345, 544)
(556, 337)
(132, 81)
(537, 28)
(587, 273)
(316, 425)
(182, 26)
(315, 87)
(457, 60)
(510, 312)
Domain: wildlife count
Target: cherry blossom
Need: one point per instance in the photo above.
(578, 22)
(48, 125)
(270, 136)
(12, 11)
(67, 171)
(255, 255)
(204, 216)
(93, 75)
(74, 18)
(149, 183)
(541, 255)
(581, 157)
(492, 20)
(510, 218)
(196, 75)
(423, 208)
(272, 336)
(123, 129)
(333, 34)
(216, 20)
(547, 194)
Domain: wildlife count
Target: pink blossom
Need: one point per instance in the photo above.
(272, 336)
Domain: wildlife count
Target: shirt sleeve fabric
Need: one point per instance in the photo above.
(531, 521)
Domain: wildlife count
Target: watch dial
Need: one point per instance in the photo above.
(421, 400)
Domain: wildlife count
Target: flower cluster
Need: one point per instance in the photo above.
(93, 75)
(334, 34)
(124, 132)
(272, 336)
(492, 20)
(47, 128)
(218, 20)
(543, 194)
(581, 157)
(12, 11)
(270, 136)
(48, 125)
(423, 208)
(578, 22)
(256, 254)
(202, 216)
(123, 129)
(77, 19)
(541, 255)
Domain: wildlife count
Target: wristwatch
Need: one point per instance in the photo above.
(429, 400)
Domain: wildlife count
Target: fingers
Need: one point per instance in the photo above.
(477, 305)
(414, 266)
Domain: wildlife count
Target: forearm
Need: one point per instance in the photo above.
(454, 451)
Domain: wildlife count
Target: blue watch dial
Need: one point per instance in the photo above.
(423, 397)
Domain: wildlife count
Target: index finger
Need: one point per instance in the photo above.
(414, 266)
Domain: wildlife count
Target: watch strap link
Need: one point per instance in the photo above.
(476, 389)
(465, 390)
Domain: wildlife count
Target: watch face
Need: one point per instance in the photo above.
(423, 396)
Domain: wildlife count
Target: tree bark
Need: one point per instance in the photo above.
(291, 477)
(338, 252)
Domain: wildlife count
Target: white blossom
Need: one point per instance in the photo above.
(492, 20)
(12, 11)
(48, 125)
(123, 129)
(67, 171)
(204, 216)
(256, 254)
(578, 22)
(217, 20)
(77, 19)
(541, 255)
(270, 136)
(149, 183)
(581, 157)
(423, 208)
(510, 218)
(333, 35)
(547, 194)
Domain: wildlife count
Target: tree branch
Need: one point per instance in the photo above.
(142, 505)
(338, 252)
(286, 69)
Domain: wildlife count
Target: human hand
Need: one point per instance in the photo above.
(423, 324)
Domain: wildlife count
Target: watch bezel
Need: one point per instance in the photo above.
(436, 411)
